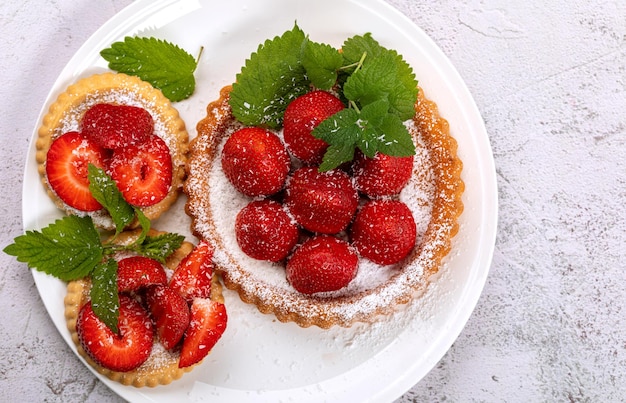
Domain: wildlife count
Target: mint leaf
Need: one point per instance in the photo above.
(161, 63)
(144, 222)
(397, 140)
(161, 246)
(321, 63)
(68, 249)
(271, 78)
(105, 191)
(104, 297)
(353, 49)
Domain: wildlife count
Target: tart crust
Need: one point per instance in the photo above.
(161, 368)
(66, 112)
(433, 193)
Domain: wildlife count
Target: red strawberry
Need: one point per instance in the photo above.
(208, 323)
(265, 231)
(170, 313)
(116, 126)
(192, 277)
(118, 352)
(137, 272)
(143, 172)
(321, 201)
(66, 169)
(382, 175)
(302, 116)
(384, 231)
(255, 161)
(323, 263)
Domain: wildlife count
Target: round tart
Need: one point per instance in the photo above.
(433, 194)
(161, 368)
(66, 113)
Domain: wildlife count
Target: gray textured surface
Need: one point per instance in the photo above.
(550, 81)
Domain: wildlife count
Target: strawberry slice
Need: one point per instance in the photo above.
(115, 126)
(66, 169)
(208, 323)
(136, 272)
(192, 277)
(118, 352)
(170, 312)
(143, 172)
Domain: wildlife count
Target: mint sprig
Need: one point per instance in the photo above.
(161, 63)
(376, 83)
(71, 248)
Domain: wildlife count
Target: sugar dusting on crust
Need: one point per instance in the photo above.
(433, 195)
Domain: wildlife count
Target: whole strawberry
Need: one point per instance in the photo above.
(115, 126)
(255, 161)
(265, 231)
(323, 263)
(382, 175)
(384, 231)
(302, 116)
(323, 202)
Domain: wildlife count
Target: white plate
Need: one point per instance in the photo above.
(259, 358)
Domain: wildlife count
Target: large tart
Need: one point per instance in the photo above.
(433, 195)
(66, 112)
(161, 368)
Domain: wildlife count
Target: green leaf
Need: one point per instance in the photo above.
(353, 48)
(104, 297)
(69, 248)
(321, 63)
(271, 78)
(161, 63)
(105, 191)
(144, 222)
(161, 246)
(396, 139)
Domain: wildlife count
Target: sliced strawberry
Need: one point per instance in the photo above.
(255, 161)
(208, 323)
(115, 126)
(382, 175)
(384, 231)
(302, 116)
(118, 352)
(136, 272)
(323, 202)
(323, 263)
(265, 231)
(192, 277)
(143, 172)
(170, 313)
(66, 169)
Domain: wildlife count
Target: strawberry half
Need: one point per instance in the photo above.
(384, 231)
(192, 277)
(265, 231)
(143, 172)
(136, 272)
(170, 313)
(382, 175)
(255, 161)
(302, 116)
(323, 202)
(208, 323)
(118, 352)
(66, 169)
(323, 263)
(116, 126)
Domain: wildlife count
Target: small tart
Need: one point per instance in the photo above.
(433, 194)
(161, 368)
(66, 112)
